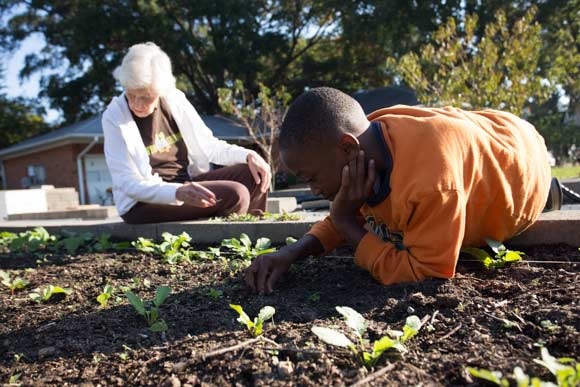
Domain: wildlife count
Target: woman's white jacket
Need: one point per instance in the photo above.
(128, 162)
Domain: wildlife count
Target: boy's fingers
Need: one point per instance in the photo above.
(250, 276)
(345, 177)
(361, 166)
(261, 277)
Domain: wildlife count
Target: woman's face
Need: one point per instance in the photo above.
(142, 102)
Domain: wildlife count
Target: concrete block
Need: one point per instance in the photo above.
(290, 192)
(316, 204)
(552, 228)
(281, 204)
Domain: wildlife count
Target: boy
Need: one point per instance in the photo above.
(427, 181)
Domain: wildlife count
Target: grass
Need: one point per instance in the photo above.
(566, 172)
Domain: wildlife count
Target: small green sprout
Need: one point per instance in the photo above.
(495, 377)
(173, 247)
(356, 322)
(290, 240)
(31, 240)
(502, 255)
(13, 284)
(549, 326)
(44, 294)
(254, 327)
(151, 311)
(566, 375)
(105, 296)
(215, 294)
(314, 297)
(243, 247)
(73, 242)
(14, 378)
(144, 245)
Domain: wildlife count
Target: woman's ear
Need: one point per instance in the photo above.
(350, 145)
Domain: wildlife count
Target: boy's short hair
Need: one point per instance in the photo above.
(317, 115)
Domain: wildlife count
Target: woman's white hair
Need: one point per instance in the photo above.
(146, 66)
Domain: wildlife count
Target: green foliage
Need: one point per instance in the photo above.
(566, 371)
(173, 248)
(105, 296)
(27, 241)
(261, 116)
(254, 327)
(73, 242)
(243, 247)
(356, 322)
(501, 258)
(14, 284)
(44, 294)
(497, 71)
(150, 310)
(283, 217)
(214, 294)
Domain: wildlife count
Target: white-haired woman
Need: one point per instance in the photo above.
(159, 151)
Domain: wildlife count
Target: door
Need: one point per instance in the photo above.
(98, 178)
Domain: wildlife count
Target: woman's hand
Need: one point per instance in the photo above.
(195, 195)
(260, 170)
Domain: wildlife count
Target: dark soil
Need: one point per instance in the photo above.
(72, 341)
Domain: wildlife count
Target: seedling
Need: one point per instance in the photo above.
(215, 294)
(150, 310)
(243, 247)
(44, 294)
(254, 327)
(314, 297)
(290, 240)
(13, 284)
(32, 240)
(502, 255)
(356, 322)
(173, 248)
(103, 243)
(566, 375)
(105, 296)
(72, 243)
(144, 245)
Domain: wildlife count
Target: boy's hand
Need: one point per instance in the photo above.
(355, 188)
(195, 195)
(266, 269)
(260, 170)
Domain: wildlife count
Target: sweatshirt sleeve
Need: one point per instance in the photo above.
(151, 189)
(432, 242)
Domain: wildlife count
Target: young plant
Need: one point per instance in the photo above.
(254, 327)
(32, 240)
(173, 248)
(73, 242)
(103, 243)
(501, 258)
(566, 371)
(105, 296)
(44, 294)
(243, 247)
(144, 245)
(356, 322)
(14, 284)
(209, 255)
(214, 294)
(150, 310)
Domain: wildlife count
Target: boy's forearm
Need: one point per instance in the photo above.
(351, 230)
(306, 246)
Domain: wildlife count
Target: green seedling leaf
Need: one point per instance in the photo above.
(491, 376)
(215, 294)
(262, 244)
(521, 378)
(244, 318)
(411, 328)
(136, 302)
(513, 256)
(159, 326)
(103, 298)
(353, 319)
(161, 295)
(496, 246)
(332, 337)
(290, 240)
(266, 313)
(246, 241)
(561, 371)
(44, 294)
(383, 344)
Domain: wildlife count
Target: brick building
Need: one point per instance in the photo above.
(73, 156)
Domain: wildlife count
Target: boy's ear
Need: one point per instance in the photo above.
(350, 145)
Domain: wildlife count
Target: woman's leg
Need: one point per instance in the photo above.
(239, 173)
(232, 197)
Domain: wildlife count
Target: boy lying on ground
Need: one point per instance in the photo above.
(409, 186)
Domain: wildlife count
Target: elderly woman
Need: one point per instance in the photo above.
(159, 151)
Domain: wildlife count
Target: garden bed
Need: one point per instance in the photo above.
(487, 319)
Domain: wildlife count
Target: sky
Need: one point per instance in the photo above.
(30, 87)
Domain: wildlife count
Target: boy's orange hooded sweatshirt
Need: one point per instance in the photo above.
(457, 178)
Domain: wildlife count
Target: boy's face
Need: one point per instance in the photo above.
(320, 168)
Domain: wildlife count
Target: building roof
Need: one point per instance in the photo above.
(382, 97)
(87, 130)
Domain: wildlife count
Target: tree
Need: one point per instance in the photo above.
(499, 71)
(261, 116)
(210, 42)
